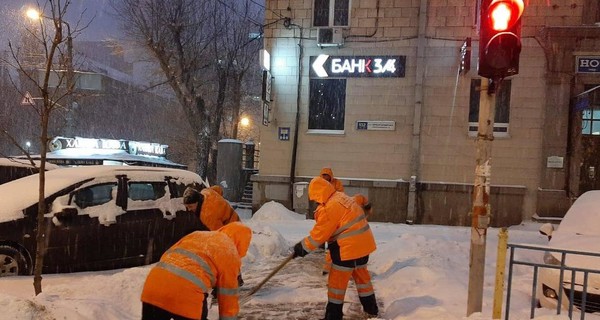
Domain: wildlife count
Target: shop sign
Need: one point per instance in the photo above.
(131, 147)
(588, 64)
(326, 66)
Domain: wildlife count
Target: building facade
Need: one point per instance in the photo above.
(381, 91)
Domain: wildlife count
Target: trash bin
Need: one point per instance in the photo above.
(300, 198)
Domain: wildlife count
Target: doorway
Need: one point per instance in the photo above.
(589, 178)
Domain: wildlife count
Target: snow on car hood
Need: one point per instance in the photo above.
(583, 217)
(22, 193)
(577, 242)
(580, 231)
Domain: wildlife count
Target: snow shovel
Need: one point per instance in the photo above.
(248, 296)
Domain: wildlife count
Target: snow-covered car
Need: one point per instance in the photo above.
(12, 168)
(97, 218)
(579, 231)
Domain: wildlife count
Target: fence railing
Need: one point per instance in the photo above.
(581, 299)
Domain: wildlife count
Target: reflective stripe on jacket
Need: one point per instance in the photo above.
(216, 211)
(189, 269)
(338, 218)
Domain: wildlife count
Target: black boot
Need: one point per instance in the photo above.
(333, 311)
(369, 304)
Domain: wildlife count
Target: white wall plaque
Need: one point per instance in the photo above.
(555, 162)
(376, 125)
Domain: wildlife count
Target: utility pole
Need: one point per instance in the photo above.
(499, 49)
(480, 213)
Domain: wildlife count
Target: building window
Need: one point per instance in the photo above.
(590, 124)
(323, 9)
(327, 104)
(502, 108)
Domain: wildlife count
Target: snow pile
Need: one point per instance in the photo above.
(274, 211)
(266, 242)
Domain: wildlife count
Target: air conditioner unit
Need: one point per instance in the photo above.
(330, 37)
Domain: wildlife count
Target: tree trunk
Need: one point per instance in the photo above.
(215, 125)
(41, 236)
(237, 100)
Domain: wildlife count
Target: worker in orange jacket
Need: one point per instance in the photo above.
(212, 209)
(327, 174)
(177, 286)
(341, 222)
(362, 201)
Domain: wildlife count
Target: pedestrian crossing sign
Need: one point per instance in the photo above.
(27, 100)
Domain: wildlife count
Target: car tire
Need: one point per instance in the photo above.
(12, 262)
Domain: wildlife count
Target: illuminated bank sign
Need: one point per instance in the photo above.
(326, 66)
(589, 64)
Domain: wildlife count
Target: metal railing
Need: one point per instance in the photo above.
(562, 267)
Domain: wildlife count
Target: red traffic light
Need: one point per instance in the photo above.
(502, 14)
(500, 38)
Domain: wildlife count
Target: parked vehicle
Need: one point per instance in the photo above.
(97, 218)
(579, 230)
(12, 169)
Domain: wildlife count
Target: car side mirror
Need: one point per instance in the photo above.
(547, 229)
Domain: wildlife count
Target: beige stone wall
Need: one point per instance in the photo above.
(447, 152)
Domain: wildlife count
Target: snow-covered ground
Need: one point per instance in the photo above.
(419, 272)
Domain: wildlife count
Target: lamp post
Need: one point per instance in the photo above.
(34, 14)
(28, 145)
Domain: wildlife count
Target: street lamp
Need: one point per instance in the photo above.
(245, 122)
(34, 14)
(28, 145)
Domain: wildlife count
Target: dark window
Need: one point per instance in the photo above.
(94, 195)
(502, 116)
(590, 124)
(327, 104)
(140, 191)
(341, 13)
(322, 13)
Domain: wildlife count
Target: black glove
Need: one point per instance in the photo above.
(299, 251)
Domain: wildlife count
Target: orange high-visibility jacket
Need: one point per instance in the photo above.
(338, 218)
(337, 184)
(216, 211)
(217, 188)
(191, 267)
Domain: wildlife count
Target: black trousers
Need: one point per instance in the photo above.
(152, 312)
(333, 311)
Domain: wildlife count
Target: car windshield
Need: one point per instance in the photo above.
(583, 217)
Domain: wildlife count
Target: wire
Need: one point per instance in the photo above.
(238, 14)
(258, 4)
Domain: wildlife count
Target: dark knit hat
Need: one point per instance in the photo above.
(191, 195)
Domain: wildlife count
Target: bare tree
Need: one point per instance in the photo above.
(243, 48)
(46, 74)
(196, 44)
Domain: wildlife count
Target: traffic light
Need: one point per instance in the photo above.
(500, 38)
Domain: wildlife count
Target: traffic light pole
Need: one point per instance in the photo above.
(480, 213)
